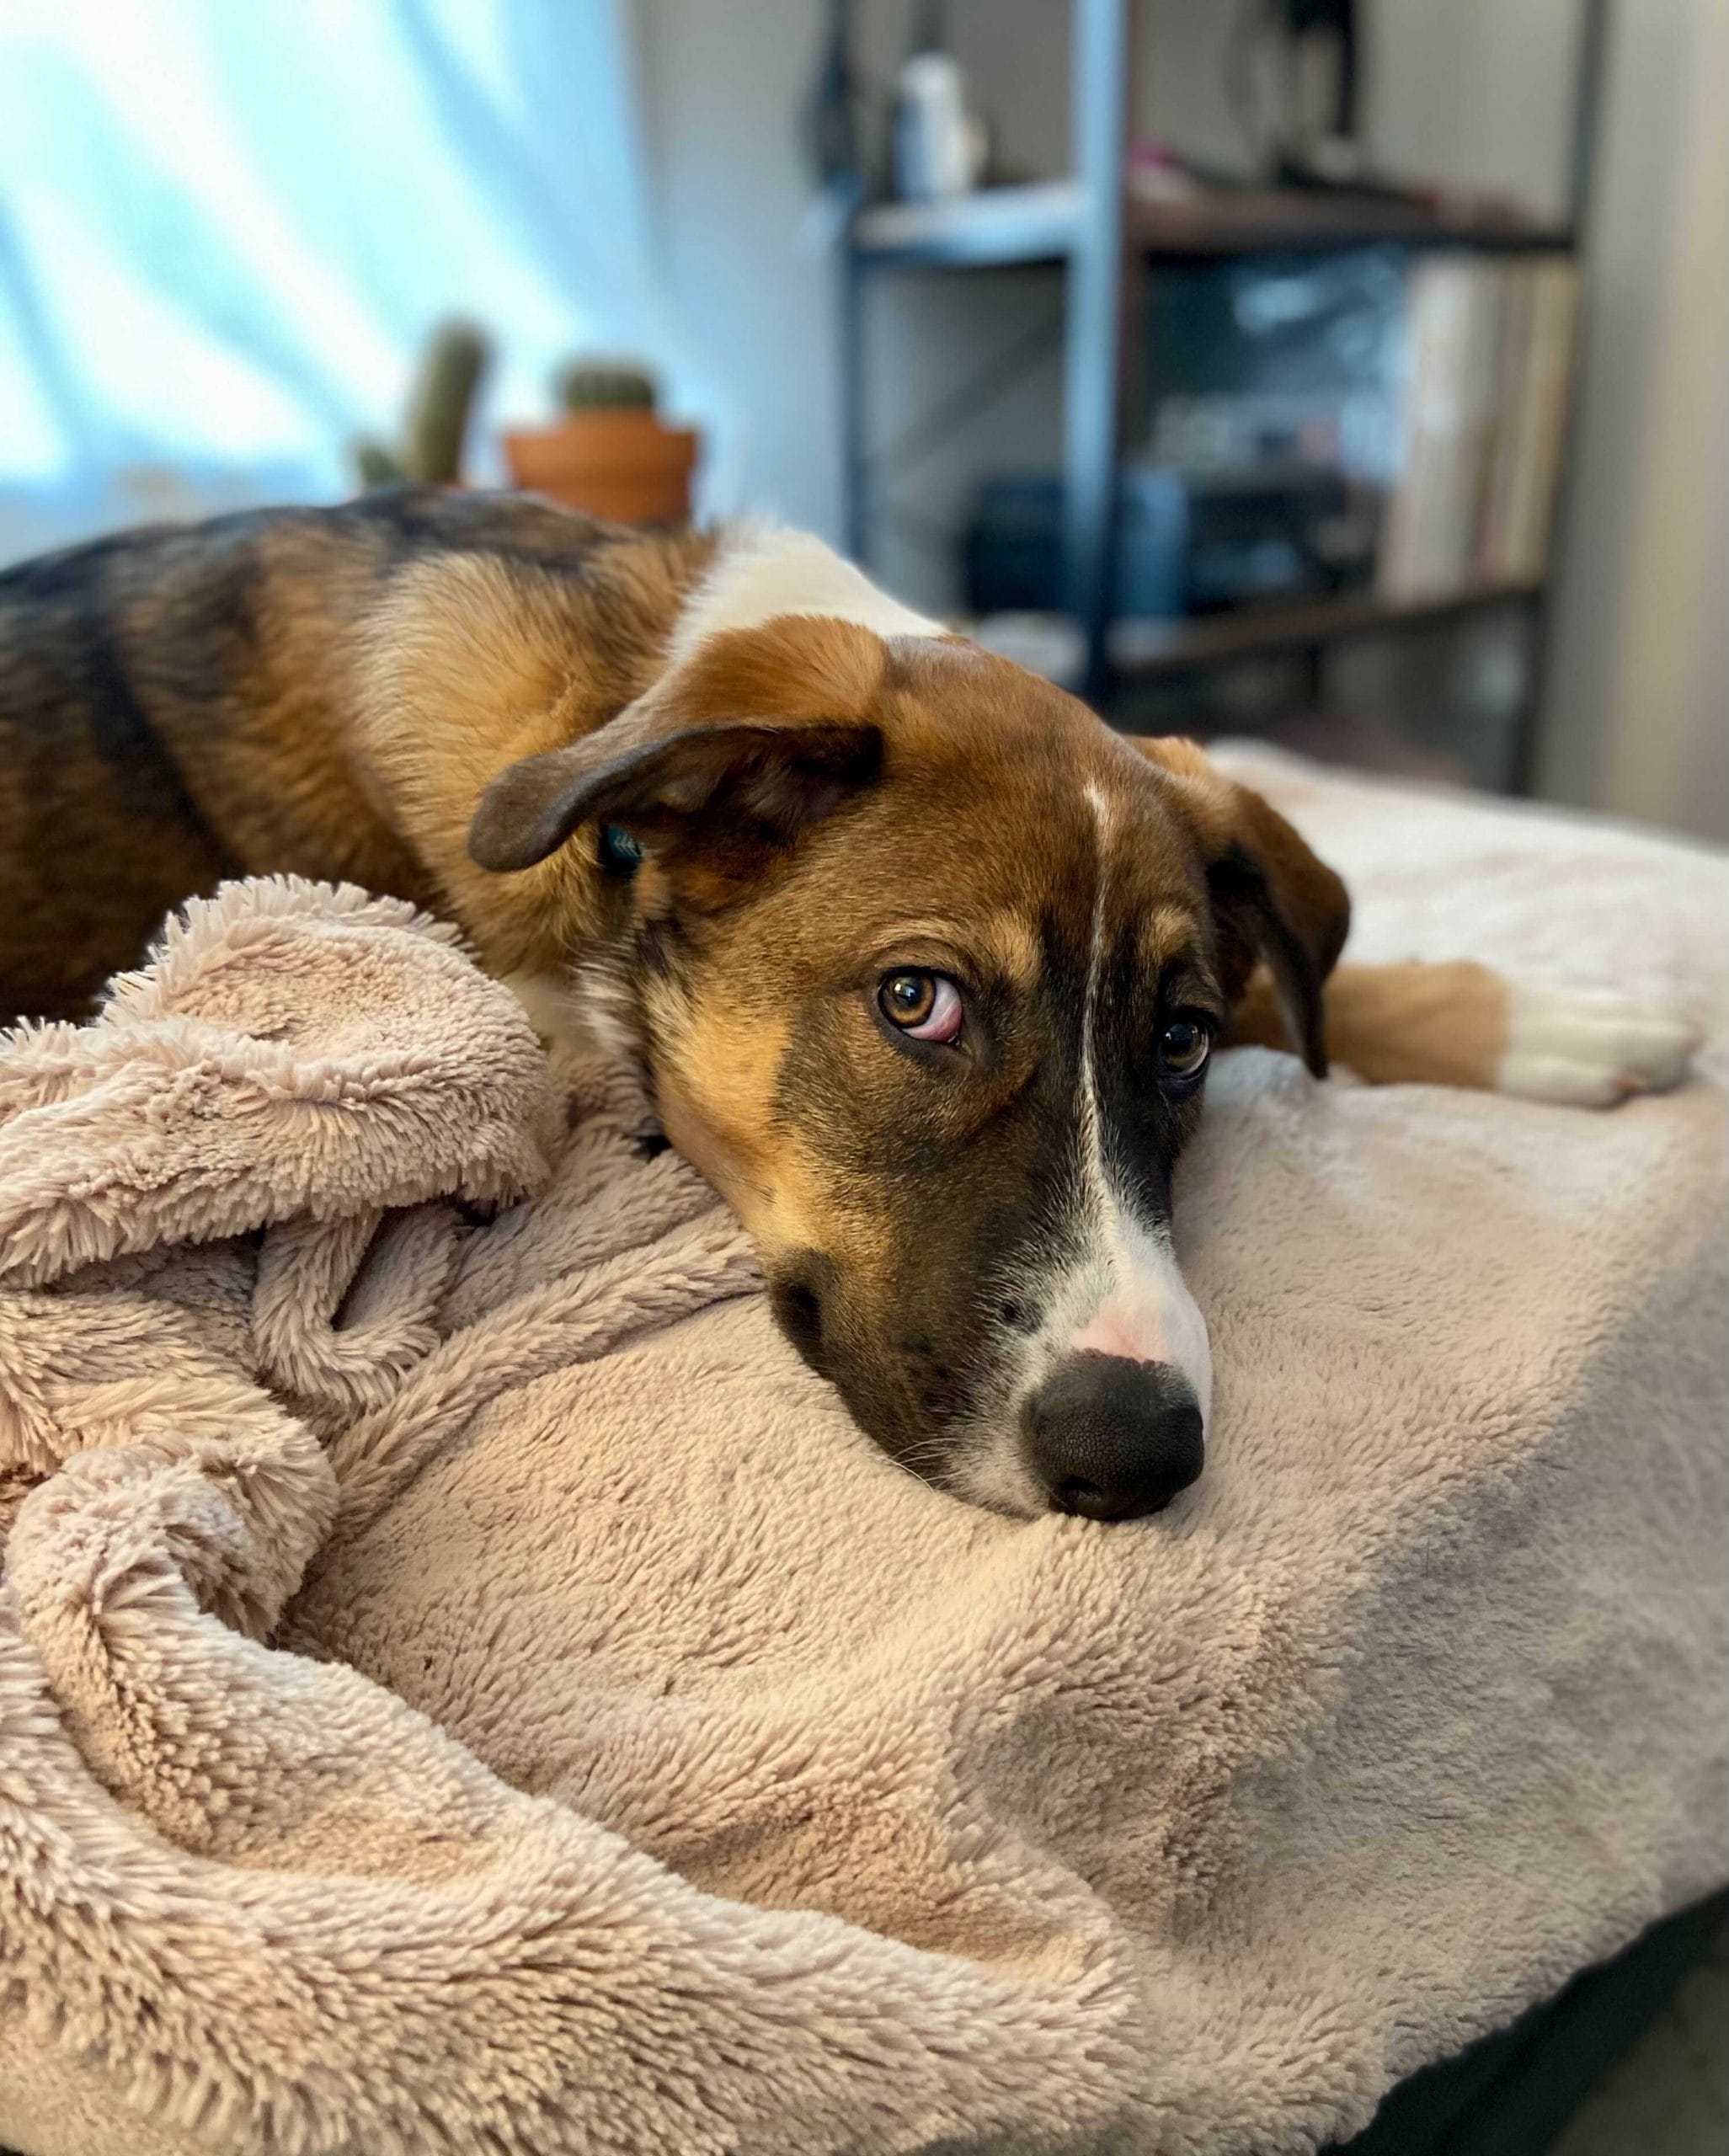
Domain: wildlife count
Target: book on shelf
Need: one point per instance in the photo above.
(1489, 347)
(1517, 549)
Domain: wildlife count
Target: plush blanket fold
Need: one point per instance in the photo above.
(464, 1685)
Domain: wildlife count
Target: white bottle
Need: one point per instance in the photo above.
(935, 143)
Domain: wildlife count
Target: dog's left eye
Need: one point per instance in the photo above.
(1184, 1045)
(924, 1007)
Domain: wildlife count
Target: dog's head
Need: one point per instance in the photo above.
(925, 966)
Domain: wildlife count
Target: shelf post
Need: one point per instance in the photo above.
(1100, 289)
(855, 456)
(836, 133)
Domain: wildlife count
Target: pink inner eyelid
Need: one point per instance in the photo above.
(944, 1023)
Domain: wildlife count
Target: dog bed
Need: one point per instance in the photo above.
(464, 1686)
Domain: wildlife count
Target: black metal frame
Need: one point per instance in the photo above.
(1107, 249)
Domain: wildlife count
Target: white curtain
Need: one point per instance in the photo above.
(226, 226)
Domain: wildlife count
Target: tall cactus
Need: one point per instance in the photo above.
(444, 396)
(430, 451)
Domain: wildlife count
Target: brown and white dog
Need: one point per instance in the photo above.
(923, 964)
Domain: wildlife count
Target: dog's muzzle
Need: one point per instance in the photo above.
(1111, 1438)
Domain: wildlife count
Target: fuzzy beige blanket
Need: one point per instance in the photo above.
(464, 1687)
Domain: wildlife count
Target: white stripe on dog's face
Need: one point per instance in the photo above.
(1117, 1289)
(1134, 1298)
(1126, 1296)
(1142, 1309)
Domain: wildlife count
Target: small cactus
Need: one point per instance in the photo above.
(430, 451)
(376, 467)
(595, 386)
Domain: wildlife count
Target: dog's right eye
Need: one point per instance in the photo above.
(1184, 1046)
(924, 1007)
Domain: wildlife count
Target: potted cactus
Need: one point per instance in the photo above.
(611, 455)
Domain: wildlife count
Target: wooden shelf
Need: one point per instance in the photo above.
(1255, 221)
(1145, 651)
(1149, 650)
(1001, 227)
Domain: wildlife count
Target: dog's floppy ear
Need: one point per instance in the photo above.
(759, 733)
(1272, 899)
(1289, 910)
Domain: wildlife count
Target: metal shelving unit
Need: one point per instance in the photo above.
(1094, 231)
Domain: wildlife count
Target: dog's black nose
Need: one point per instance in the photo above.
(1112, 1439)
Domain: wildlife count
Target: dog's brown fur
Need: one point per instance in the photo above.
(455, 698)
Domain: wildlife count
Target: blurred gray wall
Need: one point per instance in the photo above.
(1637, 719)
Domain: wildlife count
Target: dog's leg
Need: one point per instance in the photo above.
(1459, 1023)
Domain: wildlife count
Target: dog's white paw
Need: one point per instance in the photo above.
(1591, 1046)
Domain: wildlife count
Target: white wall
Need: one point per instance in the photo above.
(722, 82)
(1478, 92)
(1638, 711)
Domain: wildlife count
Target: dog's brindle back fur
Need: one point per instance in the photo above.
(174, 705)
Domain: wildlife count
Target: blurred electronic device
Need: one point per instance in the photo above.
(1278, 360)
(1233, 431)
(1186, 542)
(1329, 153)
(1292, 75)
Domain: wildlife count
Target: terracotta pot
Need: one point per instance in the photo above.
(622, 465)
